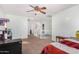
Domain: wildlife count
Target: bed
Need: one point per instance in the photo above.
(65, 46)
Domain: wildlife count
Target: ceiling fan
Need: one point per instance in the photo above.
(37, 9)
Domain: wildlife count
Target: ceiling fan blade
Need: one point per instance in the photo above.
(43, 12)
(43, 8)
(29, 10)
(31, 6)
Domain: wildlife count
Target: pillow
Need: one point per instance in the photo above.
(75, 46)
(69, 43)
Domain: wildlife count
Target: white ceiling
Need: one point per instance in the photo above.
(20, 9)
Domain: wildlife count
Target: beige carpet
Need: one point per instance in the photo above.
(34, 45)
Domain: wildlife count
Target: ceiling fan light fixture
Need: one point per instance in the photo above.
(38, 9)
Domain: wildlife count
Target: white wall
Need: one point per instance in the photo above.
(66, 23)
(18, 25)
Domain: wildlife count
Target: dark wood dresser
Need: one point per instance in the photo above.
(11, 46)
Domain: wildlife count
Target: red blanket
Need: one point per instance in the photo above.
(70, 44)
(50, 49)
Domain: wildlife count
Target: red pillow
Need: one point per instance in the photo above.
(75, 46)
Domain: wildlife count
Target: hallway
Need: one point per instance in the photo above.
(34, 45)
